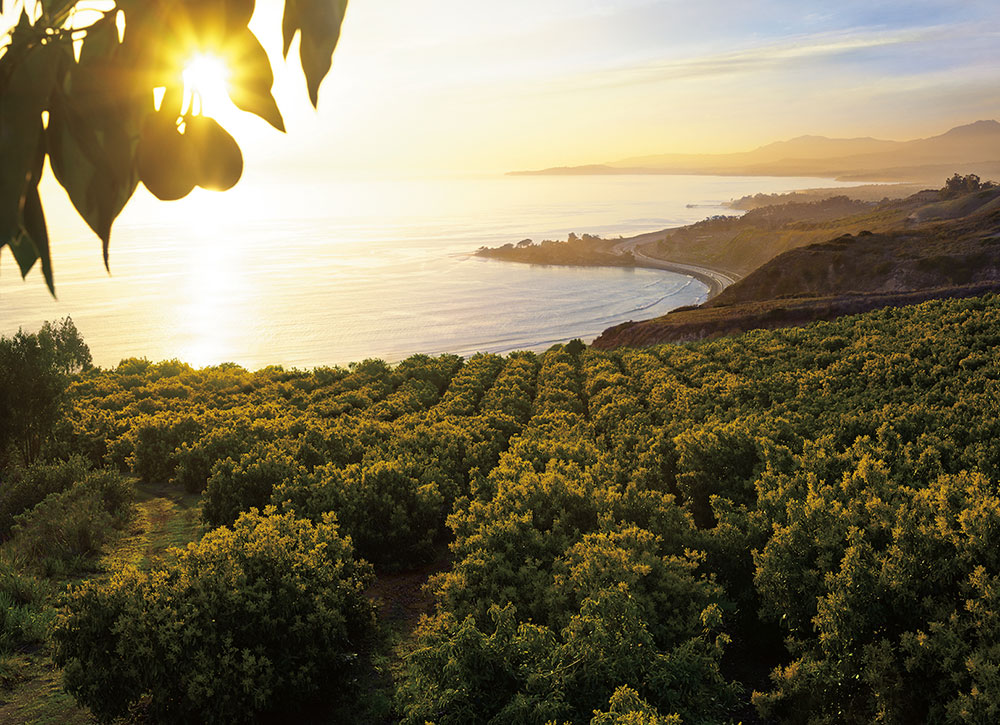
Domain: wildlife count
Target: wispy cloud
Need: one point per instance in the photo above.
(789, 52)
(527, 83)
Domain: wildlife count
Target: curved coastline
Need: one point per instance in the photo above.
(715, 279)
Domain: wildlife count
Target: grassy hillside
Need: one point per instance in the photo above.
(932, 244)
(735, 244)
(786, 526)
(742, 244)
(865, 192)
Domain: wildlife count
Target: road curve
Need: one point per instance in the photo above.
(714, 279)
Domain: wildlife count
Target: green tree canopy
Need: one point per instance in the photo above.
(263, 616)
(34, 371)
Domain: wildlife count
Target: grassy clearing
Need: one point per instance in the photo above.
(165, 518)
(30, 684)
(32, 693)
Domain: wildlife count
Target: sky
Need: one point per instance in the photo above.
(469, 86)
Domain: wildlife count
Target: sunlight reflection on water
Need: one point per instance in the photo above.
(341, 271)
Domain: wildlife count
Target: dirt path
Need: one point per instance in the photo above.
(401, 597)
(165, 518)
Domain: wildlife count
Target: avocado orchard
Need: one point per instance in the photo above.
(77, 85)
(801, 521)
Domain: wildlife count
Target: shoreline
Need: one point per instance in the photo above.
(715, 279)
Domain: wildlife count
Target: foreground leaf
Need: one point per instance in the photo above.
(251, 81)
(28, 72)
(319, 22)
(35, 228)
(93, 130)
(53, 8)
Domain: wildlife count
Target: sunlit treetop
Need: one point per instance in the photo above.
(111, 91)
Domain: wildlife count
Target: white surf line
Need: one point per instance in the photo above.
(715, 279)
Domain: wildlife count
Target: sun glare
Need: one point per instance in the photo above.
(205, 78)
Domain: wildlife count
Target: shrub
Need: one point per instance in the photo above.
(237, 487)
(716, 461)
(154, 446)
(390, 515)
(507, 671)
(887, 636)
(116, 491)
(24, 618)
(28, 487)
(461, 674)
(626, 708)
(72, 525)
(196, 460)
(667, 589)
(233, 436)
(259, 617)
(609, 644)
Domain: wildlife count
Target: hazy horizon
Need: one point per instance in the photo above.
(450, 85)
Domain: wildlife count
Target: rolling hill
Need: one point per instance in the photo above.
(941, 246)
(972, 148)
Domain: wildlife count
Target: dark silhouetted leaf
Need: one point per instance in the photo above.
(31, 241)
(289, 26)
(34, 227)
(158, 37)
(173, 100)
(53, 8)
(319, 22)
(24, 251)
(93, 130)
(29, 72)
(252, 78)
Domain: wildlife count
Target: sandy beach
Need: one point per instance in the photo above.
(640, 245)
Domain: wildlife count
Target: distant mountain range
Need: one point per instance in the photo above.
(973, 148)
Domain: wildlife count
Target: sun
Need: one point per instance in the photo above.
(205, 81)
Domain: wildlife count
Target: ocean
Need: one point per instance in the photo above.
(334, 271)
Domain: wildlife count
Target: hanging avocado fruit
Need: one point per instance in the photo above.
(172, 163)
(166, 161)
(219, 156)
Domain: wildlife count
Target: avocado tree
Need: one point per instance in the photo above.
(97, 87)
(34, 371)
